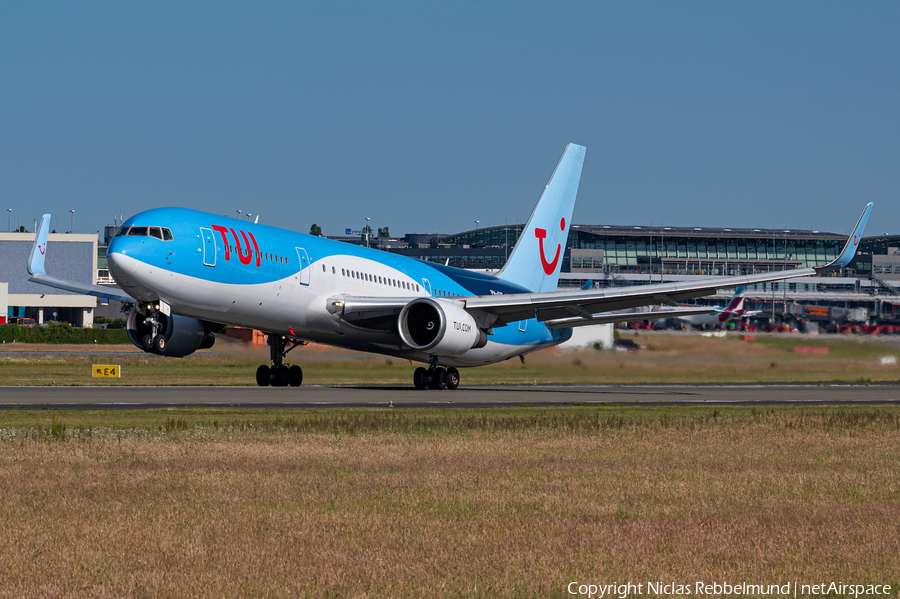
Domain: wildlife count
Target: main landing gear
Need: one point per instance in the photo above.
(435, 377)
(279, 375)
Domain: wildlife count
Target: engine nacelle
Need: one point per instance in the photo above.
(439, 327)
(183, 335)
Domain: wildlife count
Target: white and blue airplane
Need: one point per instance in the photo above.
(190, 273)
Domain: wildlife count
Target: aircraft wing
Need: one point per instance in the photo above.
(39, 274)
(498, 310)
(606, 318)
(564, 309)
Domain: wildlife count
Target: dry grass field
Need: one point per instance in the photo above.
(664, 359)
(429, 503)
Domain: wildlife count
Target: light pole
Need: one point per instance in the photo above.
(239, 214)
(476, 224)
(248, 216)
(367, 231)
(73, 221)
(8, 220)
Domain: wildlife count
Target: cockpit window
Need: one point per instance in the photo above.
(159, 232)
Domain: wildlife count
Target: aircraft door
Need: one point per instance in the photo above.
(426, 284)
(209, 247)
(304, 266)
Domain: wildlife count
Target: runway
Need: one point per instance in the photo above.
(474, 397)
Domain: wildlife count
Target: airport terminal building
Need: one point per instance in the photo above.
(612, 255)
(72, 257)
(653, 250)
(605, 255)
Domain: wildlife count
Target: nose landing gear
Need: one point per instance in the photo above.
(436, 377)
(279, 374)
(154, 341)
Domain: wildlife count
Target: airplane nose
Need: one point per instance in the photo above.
(122, 257)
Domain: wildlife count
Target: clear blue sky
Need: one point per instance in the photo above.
(427, 116)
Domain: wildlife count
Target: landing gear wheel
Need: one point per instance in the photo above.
(295, 376)
(452, 378)
(262, 376)
(420, 378)
(279, 376)
(159, 344)
(147, 342)
(439, 379)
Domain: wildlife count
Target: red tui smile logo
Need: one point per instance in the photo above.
(541, 234)
(41, 247)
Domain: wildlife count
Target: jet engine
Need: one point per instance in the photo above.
(177, 336)
(439, 327)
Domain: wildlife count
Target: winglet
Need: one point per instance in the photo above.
(852, 242)
(39, 249)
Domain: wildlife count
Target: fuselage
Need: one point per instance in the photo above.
(224, 270)
(715, 318)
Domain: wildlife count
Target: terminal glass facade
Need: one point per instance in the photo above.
(668, 250)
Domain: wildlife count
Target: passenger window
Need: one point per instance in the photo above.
(138, 232)
(167, 234)
(323, 268)
(334, 272)
(156, 232)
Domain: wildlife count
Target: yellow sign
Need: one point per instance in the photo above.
(107, 370)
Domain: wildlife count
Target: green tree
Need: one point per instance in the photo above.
(315, 230)
(383, 232)
(22, 229)
(367, 229)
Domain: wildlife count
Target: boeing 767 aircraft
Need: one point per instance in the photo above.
(190, 273)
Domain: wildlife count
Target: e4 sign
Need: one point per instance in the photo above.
(106, 370)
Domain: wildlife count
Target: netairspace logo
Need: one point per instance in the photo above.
(719, 589)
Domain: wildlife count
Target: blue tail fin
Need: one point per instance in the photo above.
(536, 260)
